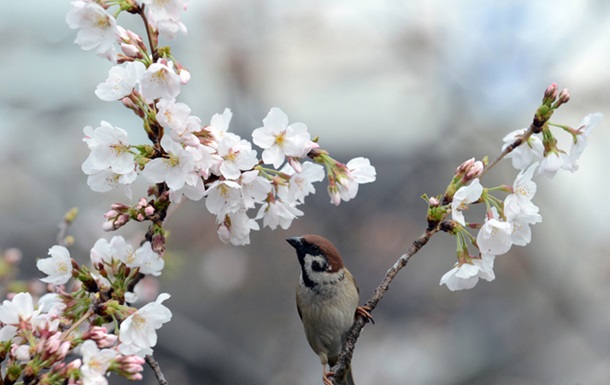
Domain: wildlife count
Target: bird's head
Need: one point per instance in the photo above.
(320, 260)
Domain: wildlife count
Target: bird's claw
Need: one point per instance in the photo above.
(364, 312)
(326, 380)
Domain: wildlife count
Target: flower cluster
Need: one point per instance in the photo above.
(37, 340)
(534, 151)
(88, 309)
(186, 157)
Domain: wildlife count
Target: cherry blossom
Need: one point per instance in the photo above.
(120, 82)
(278, 213)
(524, 189)
(349, 176)
(193, 192)
(160, 81)
(139, 329)
(301, 183)
(254, 188)
(104, 180)
(527, 153)
(467, 274)
(21, 307)
(494, 237)
(235, 228)
(588, 123)
(98, 29)
(552, 162)
(110, 148)
(223, 196)
(174, 169)
(58, 266)
(96, 363)
(148, 261)
(521, 233)
(177, 119)
(237, 155)
(164, 15)
(219, 124)
(279, 139)
(462, 198)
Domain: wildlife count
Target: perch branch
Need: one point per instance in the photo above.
(154, 365)
(352, 336)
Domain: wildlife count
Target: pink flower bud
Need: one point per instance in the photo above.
(140, 217)
(96, 332)
(130, 50)
(73, 365)
(149, 210)
(135, 377)
(295, 164)
(474, 171)
(462, 168)
(158, 244)
(63, 350)
(434, 202)
(111, 214)
(119, 207)
(564, 96)
(123, 35)
(185, 76)
(335, 196)
(550, 94)
(107, 342)
(107, 226)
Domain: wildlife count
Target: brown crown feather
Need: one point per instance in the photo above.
(328, 249)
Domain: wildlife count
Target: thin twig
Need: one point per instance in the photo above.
(347, 351)
(352, 336)
(66, 221)
(154, 365)
(76, 324)
(153, 48)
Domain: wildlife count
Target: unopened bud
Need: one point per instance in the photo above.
(465, 166)
(550, 94)
(295, 164)
(185, 76)
(131, 51)
(564, 97)
(149, 210)
(474, 171)
(158, 244)
(434, 202)
(107, 226)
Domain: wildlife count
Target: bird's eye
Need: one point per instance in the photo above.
(314, 249)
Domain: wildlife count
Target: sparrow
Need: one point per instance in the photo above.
(327, 300)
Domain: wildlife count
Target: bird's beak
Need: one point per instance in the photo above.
(295, 242)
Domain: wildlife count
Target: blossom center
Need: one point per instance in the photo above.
(160, 76)
(62, 267)
(280, 139)
(102, 22)
(138, 321)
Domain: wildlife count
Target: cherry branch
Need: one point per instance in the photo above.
(154, 365)
(541, 118)
(345, 357)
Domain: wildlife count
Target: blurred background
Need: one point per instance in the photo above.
(417, 86)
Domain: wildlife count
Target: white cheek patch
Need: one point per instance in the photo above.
(320, 277)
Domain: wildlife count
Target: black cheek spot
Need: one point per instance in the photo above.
(319, 266)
